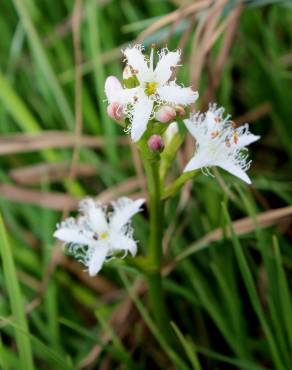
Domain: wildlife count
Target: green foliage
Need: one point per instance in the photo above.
(229, 293)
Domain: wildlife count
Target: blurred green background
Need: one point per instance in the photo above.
(229, 293)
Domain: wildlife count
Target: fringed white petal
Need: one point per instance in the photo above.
(120, 242)
(235, 170)
(98, 258)
(177, 95)
(141, 115)
(124, 210)
(198, 161)
(191, 126)
(168, 61)
(95, 215)
(126, 96)
(137, 61)
(210, 122)
(247, 139)
(69, 235)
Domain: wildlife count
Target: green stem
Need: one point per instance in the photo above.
(173, 189)
(156, 296)
(156, 213)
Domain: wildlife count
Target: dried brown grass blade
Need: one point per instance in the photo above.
(230, 27)
(51, 200)
(57, 201)
(172, 17)
(123, 188)
(204, 40)
(241, 227)
(254, 114)
(23, 143)
(49, 172)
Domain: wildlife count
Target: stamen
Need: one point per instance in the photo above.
(103, 236)
(150, 88)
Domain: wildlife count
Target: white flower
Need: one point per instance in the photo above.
(154, 88)
(219, 143)
(98, 235)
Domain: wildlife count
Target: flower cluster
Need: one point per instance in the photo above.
(154, 94)
(150, 101)
(98, 235)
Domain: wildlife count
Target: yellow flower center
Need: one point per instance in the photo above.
(103, 235)
(150, 88)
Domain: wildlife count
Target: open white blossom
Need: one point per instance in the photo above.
(219, 143)
(154, 87)
(97, 235)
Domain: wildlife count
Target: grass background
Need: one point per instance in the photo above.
(227, 246)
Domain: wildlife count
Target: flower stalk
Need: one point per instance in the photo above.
(156, 207)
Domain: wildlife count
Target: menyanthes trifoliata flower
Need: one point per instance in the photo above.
(97, 235)
(153, 87)
(219, 143)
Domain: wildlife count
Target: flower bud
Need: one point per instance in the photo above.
(155, 143)
(180, 110)
(115, 111)
(112, 86)
(165, 114)
(170, 132)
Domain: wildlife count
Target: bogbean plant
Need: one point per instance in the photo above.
(148, 103)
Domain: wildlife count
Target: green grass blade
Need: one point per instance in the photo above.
(172, 354)
(3, 364)
(120, 350)
(43, 63)
(252, 291)
(238, 364)
(16, 300)
(189, 349)
(284, 296)
(44, 351)
(16, 107)
(99, 75)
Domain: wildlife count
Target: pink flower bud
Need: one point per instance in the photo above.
(180, 110)
(112, 87)
(115, 111)
(155, 143)
(165, 114)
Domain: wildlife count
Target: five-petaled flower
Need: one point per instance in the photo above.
(154, 88)
(219, 143)
(98, 235)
